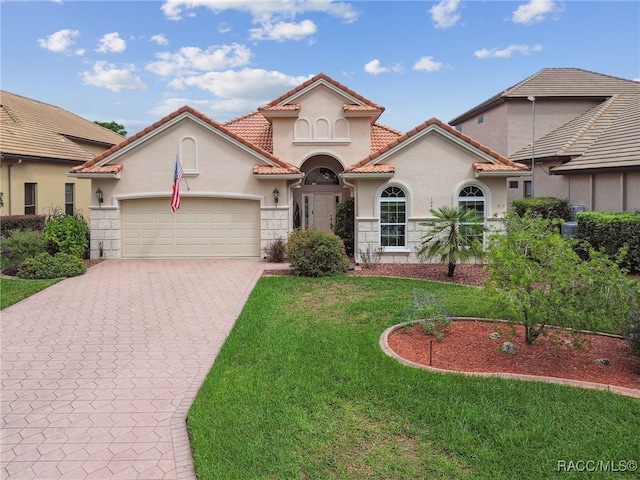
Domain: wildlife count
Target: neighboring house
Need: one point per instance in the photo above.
(284, 166)
(583, 128)
(39, 143)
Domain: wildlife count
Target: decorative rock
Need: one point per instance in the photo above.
(603, 361)
(567, 343)
(508, 347)
(494, 335)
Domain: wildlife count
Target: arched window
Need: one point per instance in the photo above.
(321, 176)
(393, 218)
(473, 198)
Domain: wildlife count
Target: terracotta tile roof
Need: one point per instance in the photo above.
(320, 78)
(378, 168)
(273, 170)
(577, 136)
(41, 131)
(87, 166)
(255, 128)
(382, 135)
(294, 107)
(504, 164)
(616, 146)
(557, 82)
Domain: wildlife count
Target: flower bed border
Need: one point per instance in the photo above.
(384, 344)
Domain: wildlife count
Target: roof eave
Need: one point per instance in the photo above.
(95, 175)
(278, 176)
(503, 173)
(370, 176)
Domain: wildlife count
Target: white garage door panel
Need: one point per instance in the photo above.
(202, 227)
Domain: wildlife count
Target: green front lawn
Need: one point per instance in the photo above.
(301, 390)
(13, 290)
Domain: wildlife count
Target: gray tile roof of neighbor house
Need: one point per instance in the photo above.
(558, 82)
(38, 130)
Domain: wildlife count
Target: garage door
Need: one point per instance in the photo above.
(202, 227)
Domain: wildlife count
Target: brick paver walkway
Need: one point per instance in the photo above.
(99, 371)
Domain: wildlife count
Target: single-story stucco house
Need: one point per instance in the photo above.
(284, 166)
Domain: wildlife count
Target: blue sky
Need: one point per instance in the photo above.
(135, 61)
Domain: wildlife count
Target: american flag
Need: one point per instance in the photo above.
(175, 193)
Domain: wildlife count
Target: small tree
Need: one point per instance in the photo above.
(116, 127)
(539, 279)
(344, 224)
(455, 234)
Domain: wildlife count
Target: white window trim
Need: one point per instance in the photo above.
(400, 248)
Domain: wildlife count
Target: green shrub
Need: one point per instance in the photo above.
(344, 225)
(313, 253)
(633, 333)
(9, 223)
(610, 231)
(20, 245)
(276, 251)
(68, 233)
(539, 279)
(545, 207)
(45, 265)
(428, 311)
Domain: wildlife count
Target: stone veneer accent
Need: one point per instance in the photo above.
(274, 224)
(105, 232)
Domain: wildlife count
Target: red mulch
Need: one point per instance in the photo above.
(467, 346)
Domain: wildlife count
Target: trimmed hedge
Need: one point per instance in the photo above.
(19, 246)
(314, 253)
(610, 231)
(545, 207)
(44, 266)
(9, 223)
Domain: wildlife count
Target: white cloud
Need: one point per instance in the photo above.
(535, 11)
(59, 41)
(218, 110)
(160, 39)
(190, 60)
(107, 76)
(256, 85)
(275, 19)
(111, 42)
(174, 9)
(283, 31)
(374, 68)
(428, 64)
(445, 14)
(507, 52)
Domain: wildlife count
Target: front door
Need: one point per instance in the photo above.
(320, 210)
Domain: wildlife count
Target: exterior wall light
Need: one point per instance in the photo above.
(276, 195)
(99, 196)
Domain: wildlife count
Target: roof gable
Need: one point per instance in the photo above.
(102, 164)
(492, 161)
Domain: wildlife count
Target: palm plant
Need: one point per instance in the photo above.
(455, 234)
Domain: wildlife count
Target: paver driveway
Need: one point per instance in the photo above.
(99, 371)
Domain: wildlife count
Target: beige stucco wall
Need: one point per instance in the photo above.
(50, 179)
(432, 171)
(509, 126)
(617, 191)
(319, 105)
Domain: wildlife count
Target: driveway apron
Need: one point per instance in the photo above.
(99, 371)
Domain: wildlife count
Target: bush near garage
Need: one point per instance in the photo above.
(20, 245)
(610, 231)
(9, 223)
(45, 265)
(68, 233)
(314, 253)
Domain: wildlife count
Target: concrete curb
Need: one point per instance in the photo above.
(384, 344)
